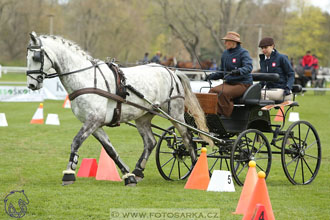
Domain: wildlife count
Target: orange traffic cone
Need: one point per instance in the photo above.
(199, 177)
(260, 213)
(67, 102)
(107, 168)
(87, 168)
(249, 184)
(259, 196)
(279, 116)
(38, 117)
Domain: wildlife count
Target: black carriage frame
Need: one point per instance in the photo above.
(300, 146)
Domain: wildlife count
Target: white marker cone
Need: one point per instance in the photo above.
(3, 120)
(52, 119)
(221, 181)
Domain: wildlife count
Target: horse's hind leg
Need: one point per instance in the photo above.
(103, 138)
(143, 125)
(91, 124)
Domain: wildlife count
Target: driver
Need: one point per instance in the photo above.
(237, 61)
(271, 61)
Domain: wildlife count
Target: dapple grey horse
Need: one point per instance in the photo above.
(53, 56)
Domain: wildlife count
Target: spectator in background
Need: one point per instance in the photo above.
(145, 58)
(315, 66)
(214, 64)
(156, 58)
(307, 60)
(292, 62)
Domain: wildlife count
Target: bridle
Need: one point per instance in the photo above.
(39, 54)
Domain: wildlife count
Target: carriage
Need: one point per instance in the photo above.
(248, 134)
(103, 94)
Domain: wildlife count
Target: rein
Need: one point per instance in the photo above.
(120, 79)
(109, 95)
(53, 75)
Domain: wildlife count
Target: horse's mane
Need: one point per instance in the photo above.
(74, 47)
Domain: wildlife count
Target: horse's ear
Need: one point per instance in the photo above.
(33, 37)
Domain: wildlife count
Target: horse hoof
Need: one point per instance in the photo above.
(68, 179)
(130, 181)
(138, 179)
(64, 183)
(138, 175)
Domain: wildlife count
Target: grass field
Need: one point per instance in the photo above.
(32, 158)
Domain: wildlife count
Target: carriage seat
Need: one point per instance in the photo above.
(296, 88)
(252, 96)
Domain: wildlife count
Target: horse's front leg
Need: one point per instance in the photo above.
(103, 138)
(91, 124)
(143, 125)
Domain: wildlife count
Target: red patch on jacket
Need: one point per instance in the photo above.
(234, 60)
(273, 64)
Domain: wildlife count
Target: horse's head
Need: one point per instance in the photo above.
(38, 63)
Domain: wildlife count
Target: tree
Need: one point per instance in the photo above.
(304, 31)
(202, 24)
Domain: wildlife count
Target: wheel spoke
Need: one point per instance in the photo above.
(168, 161)
(165, 152)
(307, 134)
(242, 169)
(302, 170)
(214, 164)
(293, 138)
(186, 165)
(317, 158)
(179, 169)
(263, 144)
(294, 159)
(169, 175)
(310, 170)
(260, 167)
(247, 144)
(295, 170)
(254, 139)
(309, 146)
(227, 164)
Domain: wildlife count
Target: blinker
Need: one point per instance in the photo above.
(37, 56)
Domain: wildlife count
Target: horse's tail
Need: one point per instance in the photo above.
(193, 107)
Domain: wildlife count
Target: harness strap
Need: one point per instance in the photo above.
(171, 98)
(120, 82)
(172, 88)
(112, 96)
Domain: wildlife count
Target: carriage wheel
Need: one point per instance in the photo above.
(172, 158)
(251, 144)
(301, 153)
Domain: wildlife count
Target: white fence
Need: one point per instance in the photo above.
(12, 69)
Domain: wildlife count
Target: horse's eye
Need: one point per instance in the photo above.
(40, 78)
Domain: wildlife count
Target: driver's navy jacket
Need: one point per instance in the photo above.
(235, 58)
(277, 63)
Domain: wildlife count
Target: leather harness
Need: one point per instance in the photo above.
(121, 93)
